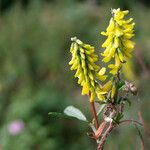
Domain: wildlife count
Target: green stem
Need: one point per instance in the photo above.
(117, 80)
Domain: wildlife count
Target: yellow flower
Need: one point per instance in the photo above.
(118, 45)
(85, 89)
(101, 94)
(101, 74)
(115, 67)
(102, 91)
(107, 86)
(83, 61)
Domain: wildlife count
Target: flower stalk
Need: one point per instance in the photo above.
(93, 109)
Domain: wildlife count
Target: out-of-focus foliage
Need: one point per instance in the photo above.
(35, 77)
(122, 3)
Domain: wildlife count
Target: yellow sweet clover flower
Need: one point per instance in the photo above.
(83, 61)
(103, 90)
(118, 45)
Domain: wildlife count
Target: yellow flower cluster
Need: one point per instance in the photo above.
(118, 44)
(118, 47)
(83, 61)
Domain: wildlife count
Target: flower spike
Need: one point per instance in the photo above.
(83, 61)
(118, 45)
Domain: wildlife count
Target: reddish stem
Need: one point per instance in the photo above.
(130, 121)
(94, 112)
(105, 135)
(141, 137)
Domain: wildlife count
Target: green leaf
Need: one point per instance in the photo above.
(118, 118)
(121, 85)
(69, 112)
(119, 100)
(74, 112)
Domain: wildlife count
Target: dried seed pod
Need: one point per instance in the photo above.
(130, 87)
(133, 89)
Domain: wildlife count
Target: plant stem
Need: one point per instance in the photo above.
(131, 121)
(93, 109)
(141, 137)
(104, 137)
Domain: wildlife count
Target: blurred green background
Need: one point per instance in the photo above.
(35, 77)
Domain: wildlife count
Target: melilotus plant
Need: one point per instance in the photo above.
(105, 86)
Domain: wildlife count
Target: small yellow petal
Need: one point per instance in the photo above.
(114, 71)
(82, 55)
(128, 35)
(129, 44)
(90, 75)
(108, 41)
(106, 59)
(100, 94)
(111, 26)
(117, 61)
(79, 71)
(118, 32)
(101, 97)
(102, 71)
(107, 50)
(111, 66)
(127, 54)
(104, 33)
(80, 78)
(116, 42)
(107, 86)
(85, 89)
(121, 57)
(102, 78)
(75, 65)
(72, 47)
(126, 12)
